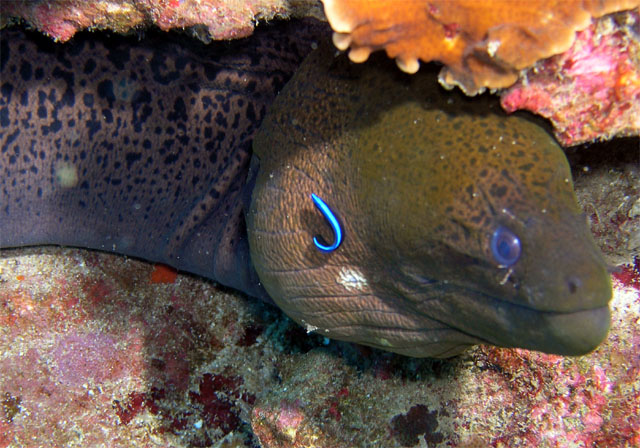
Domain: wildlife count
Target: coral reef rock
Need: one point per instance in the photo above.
(208, 19)
(481, 44)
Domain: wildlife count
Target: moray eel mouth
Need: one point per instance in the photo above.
(492, 320)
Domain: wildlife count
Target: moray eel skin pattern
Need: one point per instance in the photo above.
(138, 147)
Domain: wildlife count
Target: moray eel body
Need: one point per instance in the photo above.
(457, 225)
(140, 148)
(460, 224)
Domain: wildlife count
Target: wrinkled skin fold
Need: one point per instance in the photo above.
(420, 179)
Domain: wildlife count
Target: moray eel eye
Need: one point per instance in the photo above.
(333, 222)
(505, 247)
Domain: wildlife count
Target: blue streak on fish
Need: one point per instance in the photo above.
(333, 222)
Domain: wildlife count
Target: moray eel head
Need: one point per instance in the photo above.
(460, 224)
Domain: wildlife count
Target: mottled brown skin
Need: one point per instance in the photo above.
(420, 179)
(139, 146)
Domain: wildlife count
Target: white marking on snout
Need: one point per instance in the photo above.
(352, 279)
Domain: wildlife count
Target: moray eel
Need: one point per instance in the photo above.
(376, 208)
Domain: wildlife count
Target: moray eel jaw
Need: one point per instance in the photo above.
(553, 299)
(498, 322)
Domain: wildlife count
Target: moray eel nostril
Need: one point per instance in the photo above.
(573, 284)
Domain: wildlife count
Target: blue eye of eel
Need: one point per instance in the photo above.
(505, 247)
(333, 222)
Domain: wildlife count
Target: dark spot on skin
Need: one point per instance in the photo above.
(93, 126)
(119, 56)
(39, 74)
(131, 158)
(87, 99)
(105, 91)
(55, 126)
(498, 192)
(89, 66)
(181, 62)
(221, 120)
(107, 115)
(4, 117)
(6, 90)
(170, 159)
(251, 113)
(26, 71)
(211, 71)
(141, 110)
(195, 88)
(68, 98)
(179, 112)
(10, 139)
(4, 53)
(526, 167)
(160, 72)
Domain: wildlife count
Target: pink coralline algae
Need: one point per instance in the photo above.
(592, 91)
(215, 19)
(94, 354)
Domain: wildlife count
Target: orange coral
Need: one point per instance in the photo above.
(482, 43)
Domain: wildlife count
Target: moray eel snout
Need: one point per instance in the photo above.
(459, 223)
(554, 298)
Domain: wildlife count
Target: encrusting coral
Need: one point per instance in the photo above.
(482, 44)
